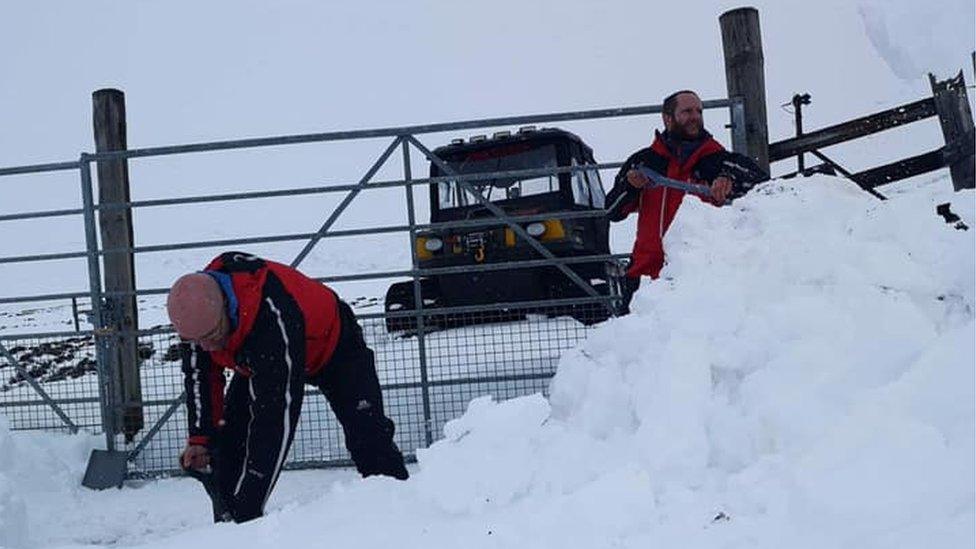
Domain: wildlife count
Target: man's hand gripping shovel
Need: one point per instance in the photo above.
(207, 475)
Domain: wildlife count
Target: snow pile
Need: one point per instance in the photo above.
(13, 515)
(37, 470)
(806, 377)
(801, 377)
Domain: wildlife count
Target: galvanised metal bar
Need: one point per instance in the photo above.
(16, 403)
(502, 216)
(42, 297)
(38, 389)
(290, 237)
(95, 287)
(483, 267)
(210, 244)
(492, 379)
(346, 201)
(348, 278)
(43, 257)
(337, 234)
(463, 381)
(41, 214)
(156, 427)
(39, 168)
(539, 304)
(847, 174)
(393, 132)
(351, 187)
(40, 335)
(418, 300)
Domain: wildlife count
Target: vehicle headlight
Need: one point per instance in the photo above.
(433, 244)
(536, 229)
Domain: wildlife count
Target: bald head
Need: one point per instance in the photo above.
(196, 307)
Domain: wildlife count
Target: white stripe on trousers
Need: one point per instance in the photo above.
(247, 442)
(287, 419)
(283, 451)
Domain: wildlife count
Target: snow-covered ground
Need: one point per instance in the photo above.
(802, 377)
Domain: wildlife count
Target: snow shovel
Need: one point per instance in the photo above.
(658, 180)
(208, 478)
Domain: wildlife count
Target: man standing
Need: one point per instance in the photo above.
(684, 151)
(277, 330)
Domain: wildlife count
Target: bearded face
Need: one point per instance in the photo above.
(686, 122)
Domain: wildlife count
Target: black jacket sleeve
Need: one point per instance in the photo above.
(204, 383)
(622, 198)
(742, 170)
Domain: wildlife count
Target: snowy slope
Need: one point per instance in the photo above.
(802, 377)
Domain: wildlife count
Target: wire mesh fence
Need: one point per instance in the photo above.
(429, 366)
(495, 353)
(65, 368)
(504, 354)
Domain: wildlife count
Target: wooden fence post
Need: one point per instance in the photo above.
(108, 107)
(956, 118)
(745, 76)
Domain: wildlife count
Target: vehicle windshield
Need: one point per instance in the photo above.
(519, 156)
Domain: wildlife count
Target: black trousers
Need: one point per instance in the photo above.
(350, 385)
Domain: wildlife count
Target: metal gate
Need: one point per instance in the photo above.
(68, 379)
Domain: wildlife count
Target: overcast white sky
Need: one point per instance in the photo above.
(196, 71)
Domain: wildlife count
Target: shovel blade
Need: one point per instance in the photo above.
(106, 469)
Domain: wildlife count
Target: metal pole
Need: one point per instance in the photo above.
(418, 299)
(95, 288)
(74, 312)
(345, 202)
(798, 102)
(156, 427)
(840, 169)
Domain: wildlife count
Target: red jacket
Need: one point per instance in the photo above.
(278, 317)
(657, 206)
(314, 302)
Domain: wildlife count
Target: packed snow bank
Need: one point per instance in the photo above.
(36, 468)
(801, 377)
(804, 374)
(13, 515)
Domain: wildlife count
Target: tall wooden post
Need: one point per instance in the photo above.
(745, 76)
(956, 119)
(116, 232)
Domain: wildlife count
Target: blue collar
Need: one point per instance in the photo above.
(224, 281)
